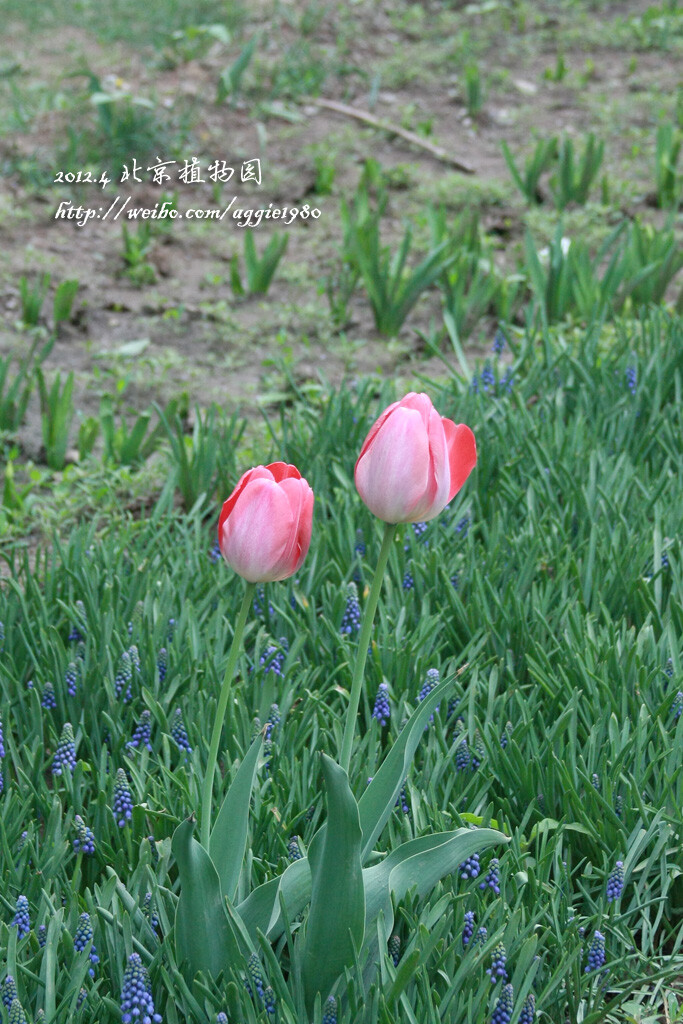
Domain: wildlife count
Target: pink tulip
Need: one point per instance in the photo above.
(264, 530)
(413, 461)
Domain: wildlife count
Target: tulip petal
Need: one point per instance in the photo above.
(462, 454)
(255, 536)
(392, 474)
(258, 472)
(300, 497)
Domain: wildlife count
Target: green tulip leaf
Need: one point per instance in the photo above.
(261, 909)
(378, 800)
(228, 838)
(205, 940)
(336, 920)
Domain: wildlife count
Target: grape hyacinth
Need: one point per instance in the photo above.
(42, 936)
(477, 752)
(149, 911)
(470, 868)
(273, 658)
(394, 947)
(123, 801)
(179, 733)
(85, 838)
(487, 377)
(162, 664)
(632, 379)
(16, 1013)
(255, 976)
(596, 953)
(143, 731)
(83, 936)
(492, 880)
(463, 526)
(619, 805)
(408, 581)
(259, 603)
(462, 756)
(215, 553)
(71, 679)
(273, 721)
(124, 678)
(221, 1018)
(505, 735)
(502, 1013)
(402, 800)
(677, 706)
(350, 623)
(615, 882)
(330, 1013)
(481, 937)
(431, 680)
(269, 1001)
(468, 928)
(382, 710)
(136, 995)
(21, 920)
(669, 668)
(498, 342)
(9, 990)
(498, 960)
(153, 850)
(293, 849)
(595, 782)
(65, 754)
(528, 1014)
(48, 700)
(170, 631)
(78, 627)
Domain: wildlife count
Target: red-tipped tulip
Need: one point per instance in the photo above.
(413, 461)
(264, 529)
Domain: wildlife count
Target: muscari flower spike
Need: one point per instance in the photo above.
(149, 912)
(21, 920)
(293, 849)
(499, 340)
(502, 1013)
(596, 953)
(269, 1001)
(9, 990)
(259, 603)
(71, 678)
(215, 553)
(16, 1013)
(221, 1018)
(78, 626)
(632, 379)
(83, 936)
(142, 733)
(505, 735)
(162, 664)
(273, 720)
(619, 805)
(402, 800)
(273, 658)
(394, 947)
(330, 1011)
(48, 700)
(615, 882)
(153, 848)
(595, 782)
(480, 938)
(179, 732)
(65, 754)
(382, 710)
(431, 681)
(468, 928)
(677, 706)
(350, 623)
(124, 677)
(255, 976)
(462, 756)
(42, 935)
(170, 631)
(498, 960)
(528, 1013)
(492, 880)
(85, 838)
(136, 995)
(408, 581)
(477, 752)
(470, 868)
(123, 801)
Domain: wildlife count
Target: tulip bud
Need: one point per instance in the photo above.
(264, 530)
(413, 461)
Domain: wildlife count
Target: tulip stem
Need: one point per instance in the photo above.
(207, 786)
(363, 644)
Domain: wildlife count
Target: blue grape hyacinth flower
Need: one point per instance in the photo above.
(492, 880)
(162, 664)
(394, 948)
(142, 733)
(124, 678)
(381, 712)
(21, 920)
(596, 953)
(65, 754)
(431, 681)
(528, 1012)
(9, 990)
(350, 623)
(71, 678)
(497, 969)
(615, 882)
(468, 928)
(123, 801)
(255, 981)
(85, 838)
(502, 1013)
(136, 995)
(330, 1012)
(83, 936)
(470, 868)
(48, 700)
(179, 733)
(16, 1013)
